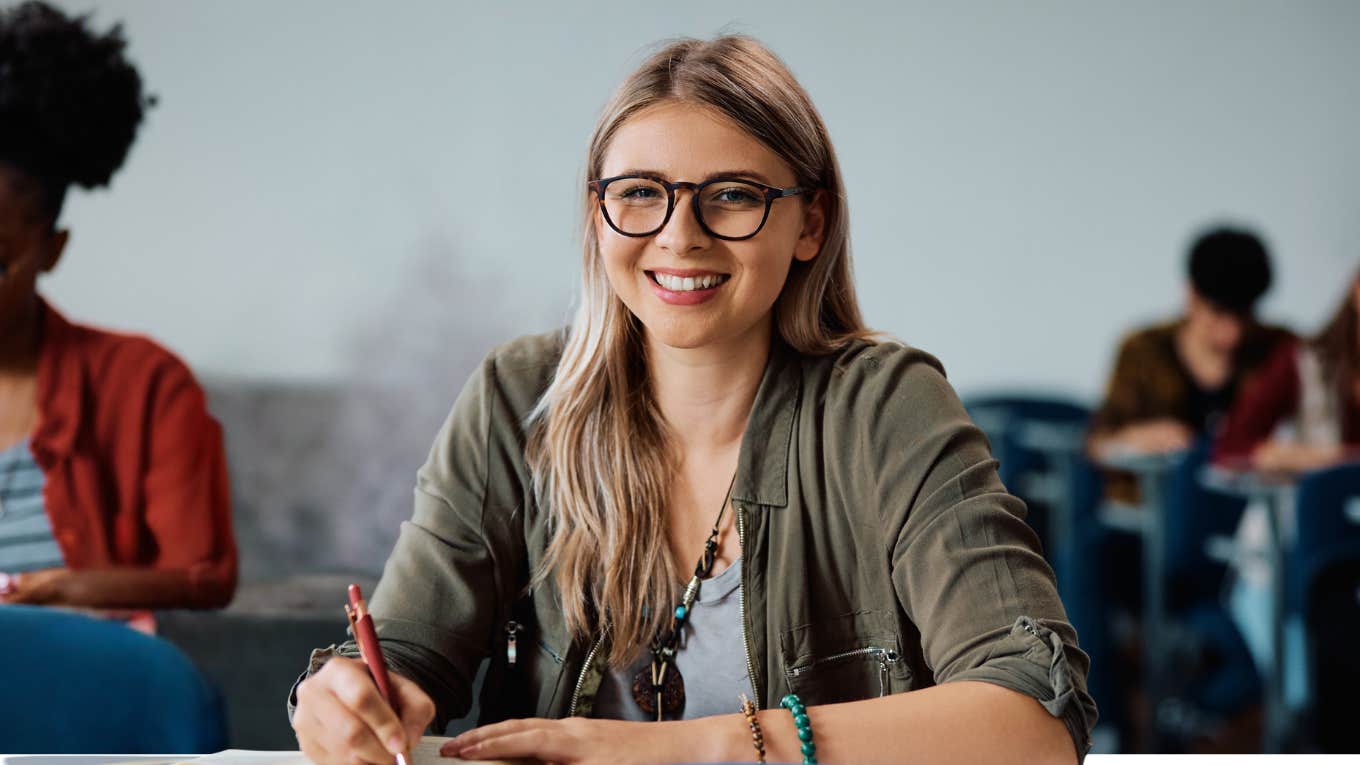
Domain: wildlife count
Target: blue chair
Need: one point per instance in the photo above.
(1326, 542)
(1034, 439)
(78, 685)
(1195, 518)
(1327, 512)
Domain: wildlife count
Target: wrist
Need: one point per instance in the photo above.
(721, 738)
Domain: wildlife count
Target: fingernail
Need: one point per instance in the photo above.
(395, 745)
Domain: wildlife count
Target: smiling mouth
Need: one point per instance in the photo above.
(676, 283)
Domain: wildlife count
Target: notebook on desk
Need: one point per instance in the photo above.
(425, 753)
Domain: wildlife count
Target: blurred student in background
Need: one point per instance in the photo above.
(1173, 382)
(113, 485)
(1302, 412)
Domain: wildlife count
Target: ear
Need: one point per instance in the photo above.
(814, 227)
(52, 250)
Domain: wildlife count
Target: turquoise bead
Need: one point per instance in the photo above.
(804, 734)
(788, 701)
(809, 749)
(802, 721)
(680, 612)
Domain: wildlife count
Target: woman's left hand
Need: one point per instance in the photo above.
(1287, 457)
(577, 741)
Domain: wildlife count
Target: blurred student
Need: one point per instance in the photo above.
(1301, 413)
(1173, 382)
(113, 488)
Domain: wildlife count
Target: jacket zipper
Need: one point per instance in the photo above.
(885, 657)
(581, 679)
(512, 629)
(741, 589)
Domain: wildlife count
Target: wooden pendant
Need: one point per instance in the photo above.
(672, 689)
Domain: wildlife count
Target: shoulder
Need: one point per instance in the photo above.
(125, 363)
(883, 386)
(1150, 341)
(877, 366)
(519, 371)
(1265, 343)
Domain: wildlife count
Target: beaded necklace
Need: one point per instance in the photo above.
(658, 688)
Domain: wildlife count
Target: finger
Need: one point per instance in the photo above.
(538, 743)
(354, 688)
(342, 731)
(417, 710)
(308, 730)
(453, 746)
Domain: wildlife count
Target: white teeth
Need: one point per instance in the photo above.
(687, 283)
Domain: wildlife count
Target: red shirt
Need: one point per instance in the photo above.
(136, 474)
(1268, 399)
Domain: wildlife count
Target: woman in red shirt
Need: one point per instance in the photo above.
(113, 486)
(1302, 411)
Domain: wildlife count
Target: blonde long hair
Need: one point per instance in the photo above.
(597, 441)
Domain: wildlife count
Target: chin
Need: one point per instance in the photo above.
(673, 335)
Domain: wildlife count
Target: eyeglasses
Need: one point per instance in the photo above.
(726, 208)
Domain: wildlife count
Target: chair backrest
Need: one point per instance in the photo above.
(1005, 419)
(1194, 515)
(75, 684)
(1327, 530)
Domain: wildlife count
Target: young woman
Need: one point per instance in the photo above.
(717, 399)
(1302, 411)
(113, 489)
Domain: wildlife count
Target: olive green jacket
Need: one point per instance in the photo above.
(881, 553)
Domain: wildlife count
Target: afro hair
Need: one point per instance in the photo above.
(70, 101)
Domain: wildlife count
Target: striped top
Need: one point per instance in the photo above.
(26, 539)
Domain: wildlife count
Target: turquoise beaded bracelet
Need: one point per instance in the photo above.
(804, 726)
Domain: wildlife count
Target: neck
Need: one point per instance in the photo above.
(1191, 341)
(19, 339)
(706, 393)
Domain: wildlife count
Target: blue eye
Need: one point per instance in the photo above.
(735, 197)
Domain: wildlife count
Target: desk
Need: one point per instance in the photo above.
(1276, 493)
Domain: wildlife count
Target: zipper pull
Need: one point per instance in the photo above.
(512, 629)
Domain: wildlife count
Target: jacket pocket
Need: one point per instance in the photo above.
(845, 658)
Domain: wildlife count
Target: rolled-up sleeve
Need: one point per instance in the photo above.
(966, 568)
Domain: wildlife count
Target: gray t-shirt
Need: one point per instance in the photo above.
(26, 539)
(711, 657)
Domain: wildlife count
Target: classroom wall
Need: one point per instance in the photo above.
(338, 191)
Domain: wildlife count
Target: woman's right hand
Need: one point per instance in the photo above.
(341, 719)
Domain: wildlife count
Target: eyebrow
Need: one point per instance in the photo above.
(737, 173)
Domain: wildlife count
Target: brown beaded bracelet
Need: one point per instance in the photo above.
(748, 708)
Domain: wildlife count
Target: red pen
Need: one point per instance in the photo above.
(367, 638)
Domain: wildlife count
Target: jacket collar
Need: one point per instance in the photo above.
(763, 463)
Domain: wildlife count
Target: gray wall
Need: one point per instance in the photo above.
(1023, 176)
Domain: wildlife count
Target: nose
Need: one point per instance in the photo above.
(682, 233)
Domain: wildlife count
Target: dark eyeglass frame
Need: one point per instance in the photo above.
(771, 193)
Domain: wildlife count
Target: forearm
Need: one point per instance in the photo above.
(970, 722)
(125, 587)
